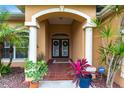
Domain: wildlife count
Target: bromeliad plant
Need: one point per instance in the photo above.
(79, 70)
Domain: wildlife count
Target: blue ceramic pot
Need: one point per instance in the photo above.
(84, 82)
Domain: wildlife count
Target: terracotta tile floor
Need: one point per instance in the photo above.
(58, 71)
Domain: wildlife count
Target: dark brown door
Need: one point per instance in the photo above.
(60, 48)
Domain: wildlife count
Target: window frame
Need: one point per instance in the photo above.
(14, 53)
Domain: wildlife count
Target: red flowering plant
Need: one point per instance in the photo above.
(79, 70)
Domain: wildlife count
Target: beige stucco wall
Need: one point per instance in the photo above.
(41, 39)
(47, 40)
(78, 44)
(14, 23)
(32, 9)
(96, 45)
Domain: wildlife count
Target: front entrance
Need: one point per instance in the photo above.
(61, 36)
(60, 48)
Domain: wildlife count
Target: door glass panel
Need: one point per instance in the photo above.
(65, 45)
(56, 45)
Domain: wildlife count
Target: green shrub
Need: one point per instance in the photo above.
(4, 69)
(36, 71)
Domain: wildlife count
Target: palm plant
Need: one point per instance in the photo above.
(112, 53)
(16, 36)
(117, 54)
(3, 17)
(111, 50)
(98, 22)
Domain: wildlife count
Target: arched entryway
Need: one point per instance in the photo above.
(60, 12)
(60, 34)
(60, 38)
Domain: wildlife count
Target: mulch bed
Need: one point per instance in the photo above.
(16, 80)
(100, 83)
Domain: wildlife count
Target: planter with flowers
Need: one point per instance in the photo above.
(34, 72)
(82, 72)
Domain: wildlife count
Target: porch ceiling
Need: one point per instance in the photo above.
(60, 20)
(65, 15)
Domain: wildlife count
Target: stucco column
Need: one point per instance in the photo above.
(32, 53)
(88, 44)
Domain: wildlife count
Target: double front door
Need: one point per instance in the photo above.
(60, 48)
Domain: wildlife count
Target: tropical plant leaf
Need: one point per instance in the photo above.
(97, 22)
(106, 32)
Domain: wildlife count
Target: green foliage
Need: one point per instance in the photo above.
(97, 22)
(118, 49)
(40, 57)
(106, 32)
(13, 35)
(4, 69)
(36, 71)
(117, 10)
(111, 50)
(104, 50)
(103, 54)
(4, 16)
(16, 36)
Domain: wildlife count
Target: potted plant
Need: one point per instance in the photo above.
(82, 77)
(34, 72)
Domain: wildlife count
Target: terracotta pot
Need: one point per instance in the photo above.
(34, 84)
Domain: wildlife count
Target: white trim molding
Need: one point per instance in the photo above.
(61, 7)
(32, 24)
(89, 24)
(6, 60)
(53, 10)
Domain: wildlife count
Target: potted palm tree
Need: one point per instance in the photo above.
(82, 77)
(34, 72)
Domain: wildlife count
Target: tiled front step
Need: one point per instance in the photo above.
(58, 71)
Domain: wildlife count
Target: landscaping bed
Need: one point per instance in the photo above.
(16, 80)
(101, 83)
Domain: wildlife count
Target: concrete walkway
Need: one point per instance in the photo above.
(57, 84)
